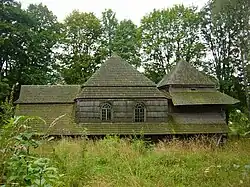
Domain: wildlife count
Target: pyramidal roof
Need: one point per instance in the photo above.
(185, 74)
(117, 72)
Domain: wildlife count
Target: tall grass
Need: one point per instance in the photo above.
(124, 162)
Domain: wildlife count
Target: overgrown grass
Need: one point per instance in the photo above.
(123, 162)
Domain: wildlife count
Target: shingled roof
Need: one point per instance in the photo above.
(118, 79)
(117, 72)
(200, 96)
(48, 93)
(185, 74)
(120, 92)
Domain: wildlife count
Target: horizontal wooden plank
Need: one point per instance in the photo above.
(128, 128)
(124, 103)
(157, 108)
(155, 128)
(123, 114)
(157, 114)
(89, 109)
(89, 103)
(156, 103)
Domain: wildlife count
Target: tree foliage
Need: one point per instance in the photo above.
(127, 42)
(121, 38)
(109, 26)
(80, 44)
(14, 40)
(168, 36)
(26, 41)
(36, 49)
(225, 30)
(46, 33)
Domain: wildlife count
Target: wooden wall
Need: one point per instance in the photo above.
(194, 108)
(88, 111)
(50, 112)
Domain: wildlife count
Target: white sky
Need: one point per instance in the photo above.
(125, 9)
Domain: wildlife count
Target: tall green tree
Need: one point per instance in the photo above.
(45, 35)
(243, 14)
(80, 46)
(219, 36)
(240, 9)
(14, 37)
(109, 26)
(127, 42)
(26, 45)
(168, 36)
(225, 28)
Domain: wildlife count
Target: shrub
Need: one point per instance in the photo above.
(239, 123)
(20, 166)
(6, 109)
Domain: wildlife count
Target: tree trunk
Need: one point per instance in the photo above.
(244, 60)
(247, 59)
(246, 82)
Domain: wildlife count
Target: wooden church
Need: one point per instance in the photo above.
(118, 99)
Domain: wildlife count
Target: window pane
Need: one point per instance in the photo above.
(139, 113)
(103, 114)
(106, 112)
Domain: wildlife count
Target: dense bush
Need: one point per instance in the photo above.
(19, 166)
(6, 109)
(239, 123)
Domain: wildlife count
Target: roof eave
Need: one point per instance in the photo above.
(190, 104)
(188, 85)
(68, 102)
(151, 97)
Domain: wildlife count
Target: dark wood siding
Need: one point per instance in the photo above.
(196, 108)
(122, 110)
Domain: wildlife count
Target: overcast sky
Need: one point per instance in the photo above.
(125, 9)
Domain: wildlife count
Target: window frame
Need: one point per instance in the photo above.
(107, 107)
(139, 116)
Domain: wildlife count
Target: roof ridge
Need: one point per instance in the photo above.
(37, 85)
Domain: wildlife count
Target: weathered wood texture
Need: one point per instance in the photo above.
(194, 108)
(122, 110)
(197, 114)
(49, 113)
(149, 128)
(66, 125)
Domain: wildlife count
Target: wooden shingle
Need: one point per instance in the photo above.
(185, 74)
(118, 79)
(120, 92)
(48, 93)
(117, 72)
(201, 97)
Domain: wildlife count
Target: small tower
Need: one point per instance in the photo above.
(194, 99)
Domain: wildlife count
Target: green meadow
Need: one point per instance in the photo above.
(113, 161)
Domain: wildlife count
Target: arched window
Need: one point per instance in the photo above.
(106, 112)
(139, 113)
